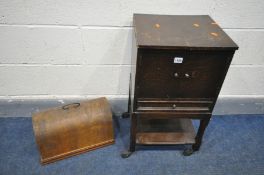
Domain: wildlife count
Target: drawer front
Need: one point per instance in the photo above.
(172, 74)
(174, 105)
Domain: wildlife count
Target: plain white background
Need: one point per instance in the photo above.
(62, 49)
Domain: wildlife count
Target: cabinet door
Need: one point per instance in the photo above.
(181, 74)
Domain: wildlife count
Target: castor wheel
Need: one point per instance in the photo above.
(187, 152)
(126, 154)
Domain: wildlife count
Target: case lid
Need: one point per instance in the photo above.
(196, 32)
(66, 131)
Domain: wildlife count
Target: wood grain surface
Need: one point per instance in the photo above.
(72, 129)
(181, 32)
(178, 68)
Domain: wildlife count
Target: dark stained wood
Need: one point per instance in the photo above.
(173, 114)
(73, 129)
(157, 70)
(164, 89)
(133, 131)
(181, 32)
(165, 131)
(182, 109)
(127, 114)
(198, 139)
(173, 105)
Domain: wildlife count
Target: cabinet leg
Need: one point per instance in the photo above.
(188, 150)
(133, 130)
(200, 133)
(127, 114)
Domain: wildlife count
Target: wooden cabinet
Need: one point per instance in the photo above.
(179, 64)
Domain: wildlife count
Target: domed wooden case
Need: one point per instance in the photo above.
(73, 129)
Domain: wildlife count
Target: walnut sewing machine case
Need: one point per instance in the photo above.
(73, 129)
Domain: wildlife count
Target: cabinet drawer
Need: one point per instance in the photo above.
(174, 105)
(180, 74)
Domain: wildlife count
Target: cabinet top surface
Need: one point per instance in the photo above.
(174, 31)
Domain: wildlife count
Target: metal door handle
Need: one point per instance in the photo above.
(176, 75)
(187, 75)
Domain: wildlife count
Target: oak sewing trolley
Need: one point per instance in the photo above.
(179, 64)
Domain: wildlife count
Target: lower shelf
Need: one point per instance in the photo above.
(165, 131)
